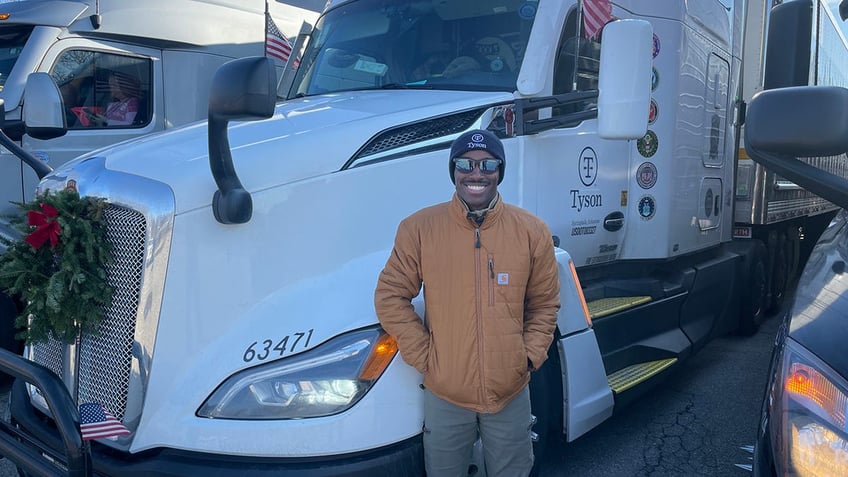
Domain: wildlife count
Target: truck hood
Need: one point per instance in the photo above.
(306, 137)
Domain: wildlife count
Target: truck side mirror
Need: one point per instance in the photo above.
(624, 79)
(40, 167)
(43, 109)
(242, 90)
(803, 121)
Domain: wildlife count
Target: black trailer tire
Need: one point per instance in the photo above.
(754, 300)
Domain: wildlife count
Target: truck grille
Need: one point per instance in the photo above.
(105, 360)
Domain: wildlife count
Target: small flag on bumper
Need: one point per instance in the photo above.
(98, 423)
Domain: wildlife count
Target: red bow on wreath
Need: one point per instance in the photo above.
(46, 226)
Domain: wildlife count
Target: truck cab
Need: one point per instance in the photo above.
(163, 52)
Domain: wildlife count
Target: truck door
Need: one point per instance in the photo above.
(109, 93)
(582, 179)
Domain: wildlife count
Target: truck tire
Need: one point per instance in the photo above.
(754, 300)
(546, 403)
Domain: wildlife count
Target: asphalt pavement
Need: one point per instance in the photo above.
(695, 423)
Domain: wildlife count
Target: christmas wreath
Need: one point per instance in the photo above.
(58, 268)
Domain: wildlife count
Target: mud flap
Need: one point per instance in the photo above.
(587, 396)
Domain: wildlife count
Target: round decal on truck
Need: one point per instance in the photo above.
(588, 166)
(647, 207)
(653, 112)
(527, 10)
(646, 175)
(648, 144)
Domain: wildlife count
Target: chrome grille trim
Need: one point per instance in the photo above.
(113, 367)
(112, 348)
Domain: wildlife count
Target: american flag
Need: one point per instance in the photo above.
(596, 14)
(276, 45)
(98, 423)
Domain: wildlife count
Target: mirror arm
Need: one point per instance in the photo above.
(824, 184)
(40, 167)
(534, 126)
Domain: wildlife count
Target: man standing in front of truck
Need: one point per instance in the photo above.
(491, 294)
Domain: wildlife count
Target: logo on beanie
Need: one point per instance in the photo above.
(477, 142)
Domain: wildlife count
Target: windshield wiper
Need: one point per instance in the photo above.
(406, 86)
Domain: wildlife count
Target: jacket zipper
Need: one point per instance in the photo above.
(491, 281)
(479, 307)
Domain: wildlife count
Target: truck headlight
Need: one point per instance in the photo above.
(322, 381)
(808, 405)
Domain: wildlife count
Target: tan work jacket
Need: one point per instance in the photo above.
(491, 295)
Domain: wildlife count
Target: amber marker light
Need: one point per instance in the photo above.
(807, 383)
(5, 16)
(580, 293)
(381, 355)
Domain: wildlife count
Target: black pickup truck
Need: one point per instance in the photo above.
(803, 429)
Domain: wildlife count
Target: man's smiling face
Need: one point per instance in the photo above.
(476, 188)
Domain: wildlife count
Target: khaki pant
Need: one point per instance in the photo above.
(450, 432)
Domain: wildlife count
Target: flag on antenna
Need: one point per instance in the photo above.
(276, 45)
(98, 423)
(596, 14)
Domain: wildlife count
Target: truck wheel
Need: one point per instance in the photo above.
(755, 291)
(546, 403)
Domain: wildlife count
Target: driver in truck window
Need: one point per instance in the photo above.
(122, 108)
(491, 294)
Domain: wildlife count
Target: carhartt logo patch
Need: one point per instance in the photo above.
(503, 278)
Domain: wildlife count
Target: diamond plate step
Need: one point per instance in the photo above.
(626, 378)
(608, 306)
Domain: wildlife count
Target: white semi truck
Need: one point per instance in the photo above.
(166, 52)
(249, 246)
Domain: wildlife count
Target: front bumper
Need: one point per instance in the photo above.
(30, 437)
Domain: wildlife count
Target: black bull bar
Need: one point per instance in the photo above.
(23, 450)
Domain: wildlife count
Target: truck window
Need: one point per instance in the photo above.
(12, 41)
(103, 90)
(578, 61)
(374, 44)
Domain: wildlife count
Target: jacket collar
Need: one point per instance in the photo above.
(459, 211)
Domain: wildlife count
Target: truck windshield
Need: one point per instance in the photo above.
(12, 41)
(428, 44)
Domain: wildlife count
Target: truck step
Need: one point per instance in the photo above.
(626, 378)
(608, 306)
